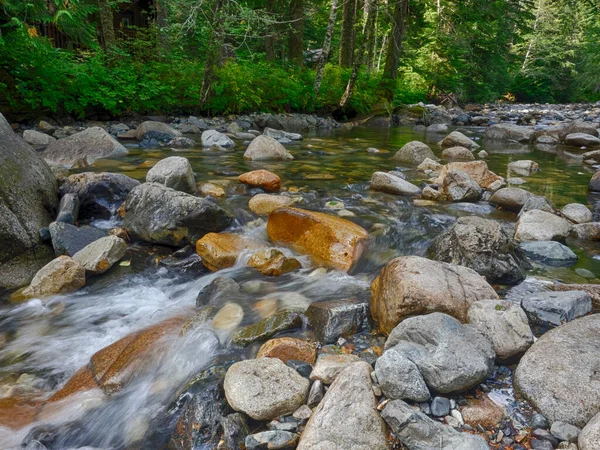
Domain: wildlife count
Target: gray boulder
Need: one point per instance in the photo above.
(265, 148)
(399, 377)
(84, 148)
(577, 213)
(587, 231)
(156, 213)
(281, 135)
(213, 137)
(559, 373)
(68, 209)
(565, 431)
(68, 239)
(537, 225)
(157, 127)
(99, 256)
(174, 172)
(554, 308)
(460, 187)
(509, 132)
(594, 184)
(582, 140)
(437, 128)
(458, 154)
(37, 140)
(589, 438)
(332, 319)
(391, 184)
(347, 417)
(551, 253)
(536, 202)
(457, 139)
(415, 152)
(578, 126)
(511, 199)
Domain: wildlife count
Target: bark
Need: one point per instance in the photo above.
(347, 37)
(107, 23)
(326, 46)
(370, 31)
(215, 51)
(533, 36)
(390, 71)
(162, 20)
(296, 46)
(271, 37)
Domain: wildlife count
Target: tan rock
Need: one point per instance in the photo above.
(477, 170)
(228, 317)
(482, 412)
(288, 348)
(212, 190)
(265, 204)
(221, 250)
(273, 262)
(261, 178)
(328, 367)
(60, 276)
(458, 154)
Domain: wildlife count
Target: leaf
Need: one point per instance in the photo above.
(125, 263)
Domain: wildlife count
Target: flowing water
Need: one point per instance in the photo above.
(43, 343)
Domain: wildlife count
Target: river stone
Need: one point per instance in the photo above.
(457, 139)
(235, 430)
(460, 187)
(412, 285)
(429, 164)
(329, 240)
(551, 253)
(265, 204)
(264, 388)
(158, 127)
(477, 170)
(578, 126)
(221, 250)
(68, 209)
(37, 140)
(84, 148)
(267, 328)
(482, 411)
(216, 289)
(587, 231)
(288, 348)
(589, 438)
(332, 319)
(281, 134)
(60, 276)
(228, 317)
(565, 431)
(273, 262)
(582, 140)
(484, 246)
(264, 179)
(27, 203)
(577, 213)
(101, 255)
(537, 225)
(399, 377)
(511, 199)
(391, 184)
(347, 417)
(68, 239)
(213, 137)
(418, 432)
(264, 148)
(504, 324)
(415, 152)
(458, 154)
(161, 215)
(594, 184)
(430, 341)
(509, 132)
(271, 440)
(554, 308)
(174, 172)
(523, 167)
(536, 202)
(329, 366)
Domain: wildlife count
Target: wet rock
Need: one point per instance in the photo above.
(565, 431)
(267, 328)
(538, 225)
(524, 167)
(411, 285)
(280, 134)
(158, 127)
(594, 184)
(589, 438)
(288, 348)
(504, 324)
(272, 440)
(264, 179)
(415, 152)
(264, 388)
(37, 140)
(399, 377)
(558, 374)
(511, 199)
(577, 213)
(536, 202)
(99, 256)
(431, 194)
(457, 139)
(316, 393)
(265, 204)
(509, 132)
(587, 231)
(68, 209)
(264, 148)
(460, 187)
(582, 140)
(482, 412)
(329, 366)
(332, 319)
(213, 190)
(458, 154)
(100, 194)
(338, 424)
(235, 430)
(173, 172)
(430, 341)
(213, 137)
(221, 250)
(60, 276)
(220, 287)
(84, 148)
(418, 432)
(329, 240)
(477, 170)
(391, 184)
(159, 214)
(68, 239)
(272, 262)
(554, 308)
(51, 436)
(228, 317)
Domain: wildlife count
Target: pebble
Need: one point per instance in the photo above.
(539, 421)
(440, 407)
(302, 414)
(545, 435)
(425, 408)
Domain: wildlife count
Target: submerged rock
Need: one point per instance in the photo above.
(267, 328)
(173, 172)
(524, 167)
(415, 152)
(265, 204)
(264, 179)
(272, 262)
(60, 276)
(221, 250)
(264, 148)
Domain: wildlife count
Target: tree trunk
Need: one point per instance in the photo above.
(215, 50)
(347, 37)
(370, 9)
(162, 20)
(390, 70)
(107, 24)
(533, 36)
(296, 45)
(326, 47)
(270, 38)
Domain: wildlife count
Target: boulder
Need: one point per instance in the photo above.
(213, 137)
(68, 239)
(429, 164)
(457, 139)
(264, 388)
(288, 348)
(433, 341)
(415, 152)
(537, 225)
(589, 438)
(504, 324)
(411, 285)
(558, 374)
(565, 431)
(173, 172)
(329, 366)
(594, 184)
(523, 167)
(84, 148)
(332, 319)
(264, 148)
(37, 140)
(221, 250)
(340, 424)
(101, 255)
(267, 328)
(329, 240)
(264, 179)
(458, 154)
(577, 213)
(511, 199)
(158, 214)
(578, 126)
(282, 135)
(555, 308)
(536, 202)
(477, 170)
(265, 204)
(437, 128)
(391, 184)
(60, 276)
(100, 194)
(582, 140)
(587, 231)
(509, 132)
(551, 253)
(400, 378)
(484, 246)
(158, 127)
(460, 187)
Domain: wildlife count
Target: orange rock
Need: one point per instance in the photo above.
(287, 348)
(261, 178)
(272, 262)
(482, 412)
(329, 240)
(221, 250)
(478, 170)
(16, 413)
(83, 380)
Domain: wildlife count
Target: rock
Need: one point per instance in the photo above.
(37, 140)
(411, 285)
(537, 225)
(158, 127)
(418, 432)
(100, 194)
(477, 170)
(460, 187)
(484, 246)
(264, 179)
(60, 276)
(577, 213)
(264, 388)
(101, 255)
(264, 148)
(221, 250)
(329, 240)
(267, 328)
(504, 324)
(68, 209)
(589, 438)
(536, 202)
(217, 288)
(288, 348)
(544, 435)
(329, 366)
(68, 239)
(458, 154)
(84, 148)
(524, 167)
(338, 424)
(265, 204)
(391, 184)
(272, 440)
(281, 135)
(578, 126)
(213, 137)
(594, 184)
(235, 430)
(440, 407)
(429, 164)
(483, 154)
(457, 139)
(415, 152)
(430, 341)
(511, 199)
(539, 421)
(173, 172)
(213, 190)
(587, 231)
(554, 308)
(332, 319)
(159, 214)
(564, 431)
(228, 317)
(316, 393)
(547, 140)
(570, 353)
(273, 263)
(431, 194)
(582, 140)
(399, 377)
(509, 132)
(482, 412)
